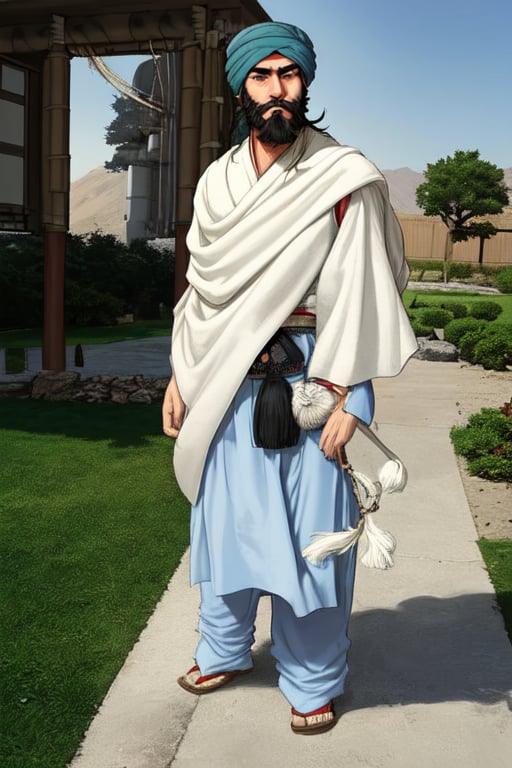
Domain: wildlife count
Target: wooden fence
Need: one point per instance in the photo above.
(425, 239)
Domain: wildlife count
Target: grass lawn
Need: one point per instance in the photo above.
(498, 559)
(465, 297)
(32, 337)
(92, 526)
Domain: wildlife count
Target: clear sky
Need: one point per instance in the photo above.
(406, 81)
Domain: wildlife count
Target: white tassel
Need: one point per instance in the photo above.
(325, 544)
(380, 546)
(371, 491)
(312, 404)
(393, 474)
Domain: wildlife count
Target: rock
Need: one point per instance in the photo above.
(48, 385)
(438, 351)
(20, 389)
(69, 385)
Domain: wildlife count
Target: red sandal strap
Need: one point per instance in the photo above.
(320, 711)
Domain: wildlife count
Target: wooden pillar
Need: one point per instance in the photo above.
(188, 166)
(55, 199)
(54, 349)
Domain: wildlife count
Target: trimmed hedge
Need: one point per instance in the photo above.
(456, 328)
(503, 280)
(435, 317)
(485, 310)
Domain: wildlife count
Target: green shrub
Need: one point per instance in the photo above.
(493, 467)
(485, 310)
(86, 306)
(486, 442)
(467, 344)
(459, 269)
(456, 329)
(494, 350)
(421, 330)
(457, 308)
(434, 317)
(503, 280)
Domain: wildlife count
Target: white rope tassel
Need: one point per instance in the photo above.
(325, 544)
(393, 474)
(380, 546)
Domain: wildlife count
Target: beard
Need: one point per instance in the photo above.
(277, 129)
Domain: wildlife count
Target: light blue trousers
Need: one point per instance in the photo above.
(311, 651)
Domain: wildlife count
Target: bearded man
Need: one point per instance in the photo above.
(295, 273)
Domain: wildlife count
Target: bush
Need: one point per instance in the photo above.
(456, 329)
(503, 280)
(494, 350)
(86, 306)
(467, 344)
(434, 317)
(486, 442)
(485, 310)
(460, 270)
(457, 308)
(421, 330)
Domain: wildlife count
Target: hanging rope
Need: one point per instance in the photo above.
(122, 86)
(380, 544)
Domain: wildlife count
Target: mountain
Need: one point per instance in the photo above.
(402, 185)
(98, 202)
(98, 199)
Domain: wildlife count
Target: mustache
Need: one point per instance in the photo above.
(293, 107)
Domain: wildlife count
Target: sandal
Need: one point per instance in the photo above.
(317, 721)
(193, 682)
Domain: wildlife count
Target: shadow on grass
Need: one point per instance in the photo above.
(122, 425)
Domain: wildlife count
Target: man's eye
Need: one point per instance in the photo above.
(258, 78)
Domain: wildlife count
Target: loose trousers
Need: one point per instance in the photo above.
(311, 651)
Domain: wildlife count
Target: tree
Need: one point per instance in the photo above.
(127, 132)
(459, 188)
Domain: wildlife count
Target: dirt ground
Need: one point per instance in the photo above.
(490, 503)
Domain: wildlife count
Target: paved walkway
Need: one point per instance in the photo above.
(431, 666)
(120, 358)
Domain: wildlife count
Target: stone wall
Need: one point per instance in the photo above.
(95, 389)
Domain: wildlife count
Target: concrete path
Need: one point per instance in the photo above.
(430, 684)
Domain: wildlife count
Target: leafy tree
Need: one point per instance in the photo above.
(459, 188)
(127, 132)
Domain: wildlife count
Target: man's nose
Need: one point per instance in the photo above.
(276, 86)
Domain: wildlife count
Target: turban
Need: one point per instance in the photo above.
(255, 43)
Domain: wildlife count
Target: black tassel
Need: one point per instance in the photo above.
(273, 425)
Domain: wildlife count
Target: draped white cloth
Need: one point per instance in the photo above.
(256, 246)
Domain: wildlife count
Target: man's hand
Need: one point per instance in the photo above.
(338, 430)
(173, 410)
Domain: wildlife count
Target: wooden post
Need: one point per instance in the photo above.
(188, 167)
(55, 196)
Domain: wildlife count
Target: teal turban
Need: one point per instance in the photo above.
(255, 43)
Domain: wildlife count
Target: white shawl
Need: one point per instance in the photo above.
(256, 246)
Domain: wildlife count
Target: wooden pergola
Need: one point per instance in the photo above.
(38, 39)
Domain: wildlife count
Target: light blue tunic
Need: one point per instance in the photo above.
(257, 508)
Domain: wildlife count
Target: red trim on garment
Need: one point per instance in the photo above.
(340, 208)
(301, 311)
(324, 383)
